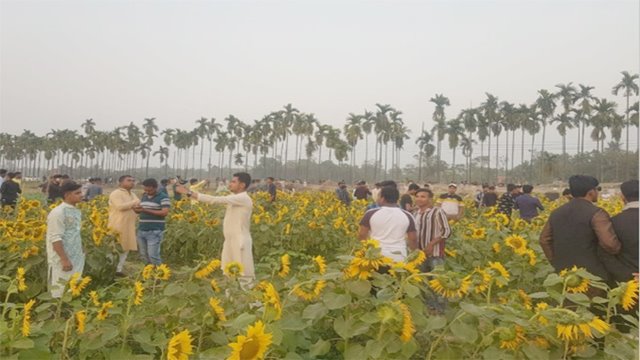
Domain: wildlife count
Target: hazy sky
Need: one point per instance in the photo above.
(121, 61)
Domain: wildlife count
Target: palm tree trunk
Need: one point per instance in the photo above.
(366, 153)
(497, 155)
(453, 167)
(489, 158)
(506, 153)
(521, 149)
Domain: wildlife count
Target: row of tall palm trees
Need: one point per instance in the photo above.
(214, 148)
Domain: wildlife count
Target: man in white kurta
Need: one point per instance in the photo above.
(65, 255)
(238, 246)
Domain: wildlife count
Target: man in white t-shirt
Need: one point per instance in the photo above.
(393, 227)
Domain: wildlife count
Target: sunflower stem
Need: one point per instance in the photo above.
(444, 331)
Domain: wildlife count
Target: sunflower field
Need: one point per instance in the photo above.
(317, 295)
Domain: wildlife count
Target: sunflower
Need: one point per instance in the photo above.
(81, 317)
(180, 346)
(321, 263)
(22, 286)
(541, 306)
(214, 285)
(271, 297)
(517, 243)
(309, 291)
(511, 338)
(285, 263)
(532, 256)
(147, 272)
(76, 285)
(407, 323)
(416, 258)
(367, 245)
(540, 342)
(233, 269)
(26, 317)
(450, 286)
(481, 280)
(252, 346)
(479, 233)
(599, 325)
(574, 282)
(496, 247)
(567, 332)
(139, 290)
(402, 266)
(162, 272)
(501, 220)
(630, 295)
(526, 300)
(450, 253)
(104, 311)
(519, 225)
(95, 299)
(217, 309)
(207, 270)
(499, 268)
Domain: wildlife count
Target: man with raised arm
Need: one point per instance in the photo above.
(236, 226)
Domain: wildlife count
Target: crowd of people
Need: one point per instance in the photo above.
(577, 233)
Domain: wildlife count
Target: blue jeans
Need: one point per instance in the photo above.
(149, 246)
(434, 301)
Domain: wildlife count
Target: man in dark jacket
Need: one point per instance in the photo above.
(625, 224)
(10, 191)
(576, 230)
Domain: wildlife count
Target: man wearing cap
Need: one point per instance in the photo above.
(577, 231)
(625, 264)
(451, 203)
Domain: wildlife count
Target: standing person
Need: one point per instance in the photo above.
(490, 198)
(271, 188)
(433, 229)
(566, 197)
(154, 207)
(10, 191)
(406, 200)
(122, 218)
(508, 200)
(362, 191)
(163, 186)
(53, 189)
(625, 264)
(3, 174)
(343, 194)
(65, 255)
(94, 189)
(527, 204)
(174, 184)
(392, 227)
(480, 195)
(451, 203)
(238, 245)
(575, 231)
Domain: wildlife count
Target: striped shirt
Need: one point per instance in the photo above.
(432, 224)
(152, 222)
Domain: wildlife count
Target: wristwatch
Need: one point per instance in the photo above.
(189, 193)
